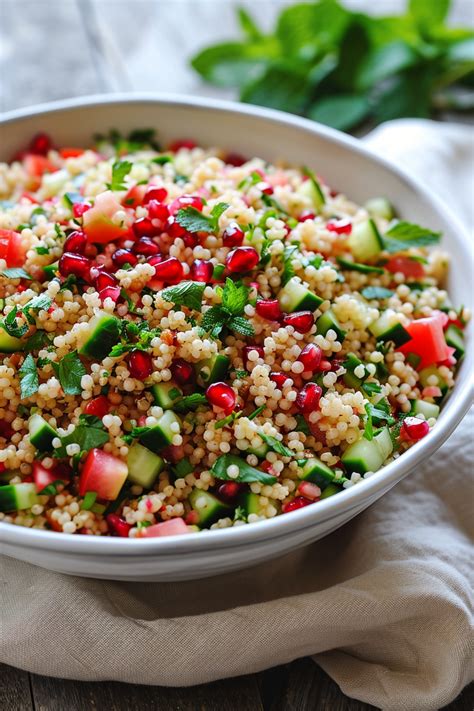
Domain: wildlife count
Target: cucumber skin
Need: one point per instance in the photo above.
(219, 366)
(17, 497)
(9, 344)
(140, 458)
(328, 320)
(42, 437)
(158, 437)
(315, 471)
(213, 513)
(104, 335)
(161, 396)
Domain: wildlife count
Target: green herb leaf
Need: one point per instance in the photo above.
(371, 388)
(242, 326)
(15, 273)
(427, 13)
(240, 514)
(235, 297)
(384, 62)
(356, 267)
(86, 436)
(11, 325)
(247, 474)
(89, 500)
(214, 320)
(190, 402)
(70, 372)
(120, 170)
(29, 381)
(301, 425)
(194, 221)
(256, 412)
(51, 489)
(226, 421)
(37, 341)
(289, 253)
(376, 292)
(42, 302)
(183, 468)
(369, 429)
(275, 445)
(403, 235)
(187, 293)
(342, 112)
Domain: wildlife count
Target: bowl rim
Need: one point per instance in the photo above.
(452, 413)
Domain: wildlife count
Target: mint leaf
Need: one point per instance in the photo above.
(403, 235)
(275, 445)
(11, 325)
(342, 112)
(194, 221)
(214, 320)
(241, 325)
(87, 437)
(247, 474)
(37, 341)
(70, 373)
(384, 62)
(289, 253)
(15, 273)
(42, 302)
(427, 13)
(120, 170)
(369, 429)
(235, 297)
(376, 292)
(29, 381)
(371, 388)
(187, 293)
(190, 402)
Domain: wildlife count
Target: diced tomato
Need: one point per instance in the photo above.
(427, 340)
(173, 527)
(97, 222)
(183, 143)
(36, 165)
(71, 152)
(135, 196)
(104, 474)
(28, 196)
(407, 266)
(43, 477)
(12, 248)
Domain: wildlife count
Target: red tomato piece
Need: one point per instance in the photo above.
(173, 527)
(104, 474)
(36, 165)
(43, 477)
(12, 248)
(427, 340)
(98, 223)
(71, 152)
(135, 196)
(407, 266)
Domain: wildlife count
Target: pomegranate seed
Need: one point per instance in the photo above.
(298, 502)
(246, 353)
(140, 365)
(176, 146)
(325, 366)
(76, 264)
(221, 395)
(190, 239)
(309, 490)
(414, 429)
(182, 371)
(311, 356)
(110, 292)
(154, 192)
(104, 279)
(201, 270)
(2, 467)
(186, 201)
(98, 406)
(307, 399)
(118, 525)
(156, 259)
(242, 259)
(79, 208)
(169, 270)
(269, 309)
(5, 430)
(306, 215)
(144, 227)
(265, 188)
(76, 242)
(279, 379)
(174, 229)
(192, 518)
(229, 490)
(145, 246)
(158, 211)
(302, 321)
(121, 257)
(340, 227)
(235, 159)
(40, 144)
(233, 235)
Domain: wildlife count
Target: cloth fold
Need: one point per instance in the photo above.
(384, 604)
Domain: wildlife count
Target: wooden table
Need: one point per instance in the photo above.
(52, 49)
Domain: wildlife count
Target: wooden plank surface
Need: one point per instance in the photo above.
(51, 49)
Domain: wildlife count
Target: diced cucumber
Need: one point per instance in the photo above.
(161, 435)
(250, 502)
(455, 338)
(104, 334)
(330, 490)
(294, 296)
(143, 465)
(260, 451)
(350, 379)
(166, 394)
(388, 328)
(365, 240)
(384, 441)
(17, 497)
(312, 189)
(50, 271)
(316, 471)
(356, 267)
(328, 320)
(363, 456)
(426, 374)
(212, 370)
(9, 344)
(41, 433)
(428, 409)
(208, 507)
(380, 207)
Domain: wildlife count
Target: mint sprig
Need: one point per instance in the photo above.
(229, 314)
(120, 170)
(187, 293)
(29, 380)
(194, 221)
(70, 372)
(402, 235)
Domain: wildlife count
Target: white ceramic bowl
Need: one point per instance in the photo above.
(345, 164)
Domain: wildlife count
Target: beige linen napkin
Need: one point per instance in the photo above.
(384, 604)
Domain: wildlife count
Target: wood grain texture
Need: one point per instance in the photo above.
(15, 692)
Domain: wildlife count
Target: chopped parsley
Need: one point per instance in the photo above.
(16, 273)
(120, 170)
(70, 372)
(29, 380)
(275, 445)
(194, 221)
